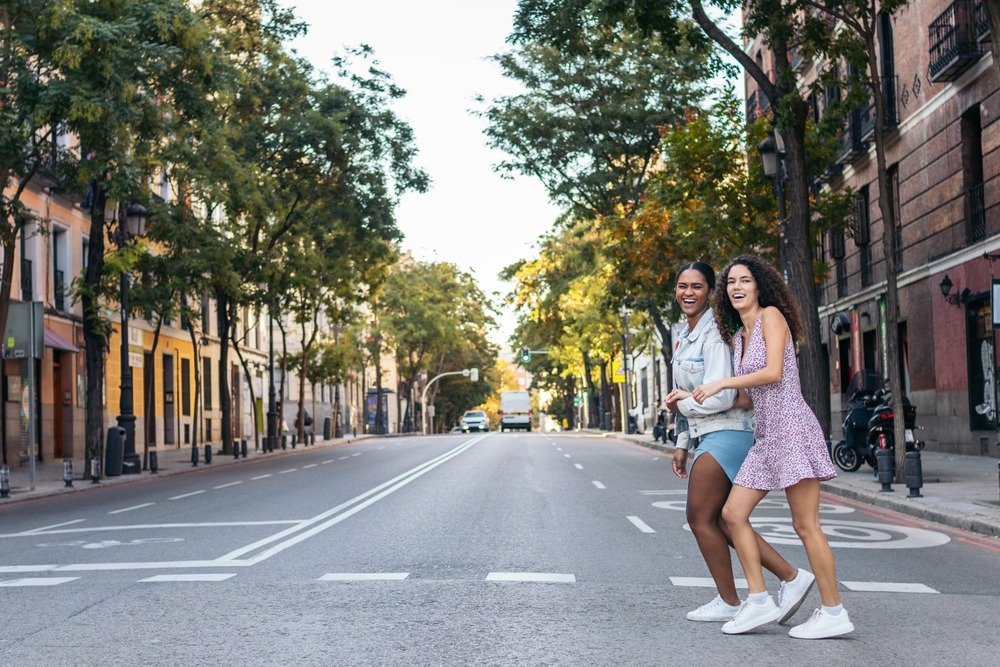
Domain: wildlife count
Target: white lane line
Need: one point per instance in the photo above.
(664, 493)
(221, 576)
(364, 576)
(567, 456)
(886, 587)
(288, 538)
(129, 509)
(598, 484)
(285, 472)
(356, 454)
(702, 582)
(537, 577)
(311, 465)
(187, 495)
(640, 524)
(260, 477)
(327, 461)
(223, 486)
(341, 458)
(578, 466)
(39, 581)
(45, 528)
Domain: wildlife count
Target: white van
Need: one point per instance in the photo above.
(515, 410)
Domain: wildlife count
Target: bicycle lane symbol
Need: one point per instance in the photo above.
(107, 544)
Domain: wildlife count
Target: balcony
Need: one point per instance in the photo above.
(954, 48)
(27, 293)
(850, 144)
(982, 23)
(975, 207)
(60, 291)
(868, 114)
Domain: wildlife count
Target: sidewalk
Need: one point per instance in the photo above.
(170, 461)
(959, 491)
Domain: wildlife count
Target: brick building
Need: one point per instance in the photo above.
(943, 135)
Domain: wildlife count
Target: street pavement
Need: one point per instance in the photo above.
(958, 491)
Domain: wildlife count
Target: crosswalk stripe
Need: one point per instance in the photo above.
(542, 577)
(886, 587)
(702, 582)
(161, 578)
(365, 576)
(37, 581)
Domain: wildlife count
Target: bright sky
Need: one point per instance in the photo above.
(436, 51)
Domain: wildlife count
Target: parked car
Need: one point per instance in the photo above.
(475, 420)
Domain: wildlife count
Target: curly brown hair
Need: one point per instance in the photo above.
(772, 290)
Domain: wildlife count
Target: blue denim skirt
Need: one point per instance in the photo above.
(728, 448)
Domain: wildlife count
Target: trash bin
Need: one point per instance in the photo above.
(327, 428)
(114, 451)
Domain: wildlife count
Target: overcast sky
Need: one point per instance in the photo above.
(436, 50)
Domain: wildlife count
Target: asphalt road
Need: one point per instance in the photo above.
(491, 549)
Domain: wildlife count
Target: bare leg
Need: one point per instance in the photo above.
(803, 500)
(736, 514)
(708, 490)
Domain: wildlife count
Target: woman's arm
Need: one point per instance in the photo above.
(775, 330)
(718, 360)
(743, 400)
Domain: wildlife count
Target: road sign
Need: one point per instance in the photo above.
(24, 334)
(617, 372)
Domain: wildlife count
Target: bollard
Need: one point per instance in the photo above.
(295, 439)
(4, 482)
(236, 450)
(208, 454)
(914, 474)
(68, 472)
(95, 470)
(284, 441)
(153, 467)
(243, 448)
(194, 455)
(886, 468)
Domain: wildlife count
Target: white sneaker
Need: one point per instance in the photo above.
(823, 625)
(793, 593)
(715, 611)
(751, 616)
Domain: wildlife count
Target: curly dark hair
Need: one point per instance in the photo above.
(771, 290)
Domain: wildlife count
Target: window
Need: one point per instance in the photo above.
(972, 174)
(862, 235)
(206, 382)
(186, 387)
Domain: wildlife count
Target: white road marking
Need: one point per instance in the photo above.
(341, 458)
(567, 456)
(46, 581)
(285, 472)
(187, 495)
(129, 509)
(702, 582)
(681, 492)
(311, 465)
(327, 461)
(223, 486)
(260, 477)
(598, 484)
(364, 576)
(640, 524)
(221, 576)
(886, 587)
(578, 466)
(45, 528)
(356, 454)
(537, 577)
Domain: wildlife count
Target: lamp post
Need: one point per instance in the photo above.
(131, 225)
(772, 157)
(272, 401)
(626, 399)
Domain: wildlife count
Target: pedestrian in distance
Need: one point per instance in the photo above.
(756, 313)
(723, 428)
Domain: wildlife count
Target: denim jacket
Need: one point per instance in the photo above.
(702, 357)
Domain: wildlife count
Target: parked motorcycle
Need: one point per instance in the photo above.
(660, 428)
(869, 424)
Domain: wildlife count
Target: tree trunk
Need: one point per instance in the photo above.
(95, 329)
(222, 306)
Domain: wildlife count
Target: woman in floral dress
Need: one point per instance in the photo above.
(789, 451)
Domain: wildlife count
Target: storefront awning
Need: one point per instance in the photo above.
(55, 341)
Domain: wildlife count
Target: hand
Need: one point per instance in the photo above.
(674, 397)
(706, 391)
(679, 463)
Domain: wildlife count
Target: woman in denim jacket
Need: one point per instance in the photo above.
(722, 427)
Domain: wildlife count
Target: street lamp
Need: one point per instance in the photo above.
(772, 158)
(626, 388)
(131, 225)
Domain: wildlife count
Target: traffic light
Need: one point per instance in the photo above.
(525, 355)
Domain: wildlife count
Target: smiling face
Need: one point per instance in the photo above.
(692, 293)
(742, 288)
